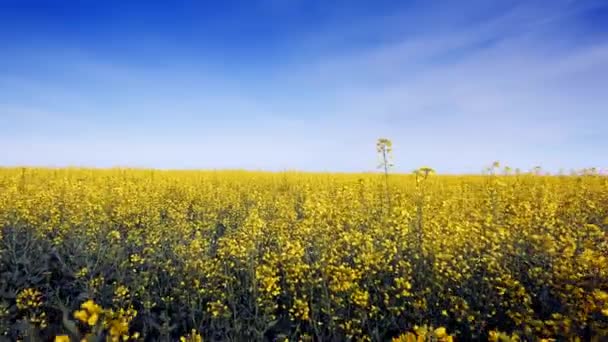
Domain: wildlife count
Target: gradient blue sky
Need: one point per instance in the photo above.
(304, 84)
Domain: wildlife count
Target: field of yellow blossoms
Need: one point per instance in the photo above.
(132, 255)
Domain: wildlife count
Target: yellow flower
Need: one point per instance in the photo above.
(194, 336)
(93, 319)
(344, 237)
(407, 337)
(83, 272)
(91, 307)
(81, 315)
(440, 332)
(600, 295)
(29, 299)
(62, 338)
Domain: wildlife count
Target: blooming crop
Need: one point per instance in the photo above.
(193, 255)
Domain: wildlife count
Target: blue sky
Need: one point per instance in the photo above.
(304, 84)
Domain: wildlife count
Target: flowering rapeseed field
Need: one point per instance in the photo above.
(238, 256)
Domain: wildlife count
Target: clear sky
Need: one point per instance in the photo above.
(304, 84)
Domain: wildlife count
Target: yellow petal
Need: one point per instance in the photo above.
(81, 315)
(440, 332)
(62, 338)
(93, 319)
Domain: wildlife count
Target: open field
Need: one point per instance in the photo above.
(134, 254)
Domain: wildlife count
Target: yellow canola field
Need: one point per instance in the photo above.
(243, 256)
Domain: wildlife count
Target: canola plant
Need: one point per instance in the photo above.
(131, 255)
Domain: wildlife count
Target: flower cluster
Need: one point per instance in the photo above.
(114, 322)
(30, 302)
(191, 255)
